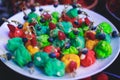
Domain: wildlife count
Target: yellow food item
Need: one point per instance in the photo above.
(90, 44)
(68, 58)
(32, 49)
(25, 26)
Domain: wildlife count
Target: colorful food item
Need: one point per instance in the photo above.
(55, 15)
(54, 67)
(51, 49)
(78, 42)
(74, 33)
(54, 32)
(66, 27)
(55, 42)
(43, 40)
(84, 27)
(105, 27)
(20, 53)
(90, 44)
(40, 59)
(39, 29)
(103, 49)
(14, 43)
(32, 49)
(33, 16)
(89, 58)
(69, 60)
(14, 31)
(90, 35)
(71, 50)
(59, 43)
(72, 13)
(22, 56)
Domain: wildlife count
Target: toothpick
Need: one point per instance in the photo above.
(6, 20)
(24, 11)
(16, 22)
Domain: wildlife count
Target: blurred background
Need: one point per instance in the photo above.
(10, 7)
(107, 8)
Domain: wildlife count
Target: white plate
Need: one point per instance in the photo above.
(82, 72)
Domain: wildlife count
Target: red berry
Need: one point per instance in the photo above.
(65, 17)
(46, 16)
(80, 21)
(72, 20)
(11, 27)
(87, 21)
(48, 49)
(61, 35)
(18, 32)
(33, 41)
(72, 66)
(90, 35)
(32, 24)
(52, 26)
(51, 49)
(102, 76)
(89, 59)
(57, 54)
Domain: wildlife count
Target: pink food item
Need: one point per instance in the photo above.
(89, 58)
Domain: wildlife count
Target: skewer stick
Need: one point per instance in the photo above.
(6, 20)
(16, 22)
(24, 11)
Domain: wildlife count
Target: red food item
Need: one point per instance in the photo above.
(52, 26)
(33, 40)
(46, 16)
(90, 35)
(65, 17)
(32, 24)
(89, 59)
(14, 31)
(75, 25)
(11, 27)
(80, 21)
(72, 66)
(102, 76)
(87, 21)
(57, 54)
(61, 35)
(50, 49)
(72, 21)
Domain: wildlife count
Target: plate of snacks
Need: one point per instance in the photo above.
(58, 42)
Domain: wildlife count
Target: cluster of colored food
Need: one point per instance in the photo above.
(59, 42)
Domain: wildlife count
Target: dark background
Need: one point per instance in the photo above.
(6, 73)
